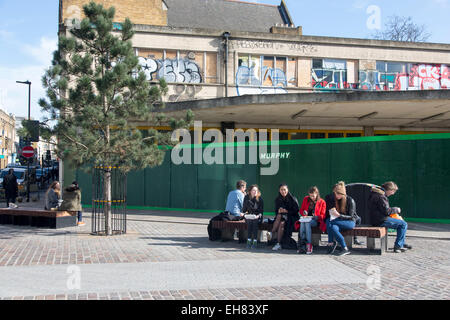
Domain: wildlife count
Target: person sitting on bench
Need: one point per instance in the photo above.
(52, 196)
(381, 213)
(286, 212)
(254, 209)
(313, 206)
(341, 215)
(235, 200)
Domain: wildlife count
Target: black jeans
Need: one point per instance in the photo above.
(252, 227)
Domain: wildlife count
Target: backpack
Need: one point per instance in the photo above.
(215, 234)
(288, 243)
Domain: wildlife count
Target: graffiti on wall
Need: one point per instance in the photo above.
(428, 77)
(369, 80)
(419, 77)
(329, 79)
(184, 92)
(172, 70)
(248, 81)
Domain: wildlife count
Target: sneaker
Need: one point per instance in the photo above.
(81, 223)
(407, 246)
(332, 248)
(344, 252)
(309, 248)
(398, 249)
(276, 247)
(249, 244)
(357, 242)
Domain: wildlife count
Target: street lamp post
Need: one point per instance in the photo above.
(28, 140)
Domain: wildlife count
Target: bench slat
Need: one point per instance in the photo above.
(371, 232)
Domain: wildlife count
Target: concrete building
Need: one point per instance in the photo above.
(7, 138)
(246, 65)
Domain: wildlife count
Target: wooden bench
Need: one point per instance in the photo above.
(38, 218)
(371, 233)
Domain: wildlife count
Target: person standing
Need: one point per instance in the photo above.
(72, 201)
(381, 213)
(341, 216)
(253, 205)
(11, 187)
(312, 206)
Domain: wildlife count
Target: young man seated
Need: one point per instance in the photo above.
(381, 214)
(235, 200)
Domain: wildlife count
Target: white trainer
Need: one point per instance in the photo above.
(276, 247)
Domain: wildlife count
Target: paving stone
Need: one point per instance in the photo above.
(170, 242)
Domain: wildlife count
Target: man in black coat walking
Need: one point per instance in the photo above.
(11, 187)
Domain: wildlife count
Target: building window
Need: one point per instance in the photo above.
(318, 135)
(401, 76)
(284, 136)
(299, 136)
(353, 135)
(329, 74)
(335, 135)
(267, 71)
(179, 66)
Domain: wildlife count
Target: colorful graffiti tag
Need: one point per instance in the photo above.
(172, 70)
(329, 79)
(419, 77)
(248, 81)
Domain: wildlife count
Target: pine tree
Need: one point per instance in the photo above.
(97, 93)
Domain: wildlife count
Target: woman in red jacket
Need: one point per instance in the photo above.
(313, 207)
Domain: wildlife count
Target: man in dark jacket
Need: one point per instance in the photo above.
(11, 187)
(380, 214)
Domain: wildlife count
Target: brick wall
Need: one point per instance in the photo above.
(148, 12)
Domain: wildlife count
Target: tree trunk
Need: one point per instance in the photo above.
(107, 196)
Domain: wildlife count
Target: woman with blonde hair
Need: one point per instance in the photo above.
(52, 196)
(253, 209)
(340, 216)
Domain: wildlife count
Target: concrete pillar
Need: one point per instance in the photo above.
(369, 131)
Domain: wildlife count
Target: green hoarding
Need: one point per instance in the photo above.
(419, 164)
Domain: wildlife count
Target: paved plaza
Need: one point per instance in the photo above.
(167, 255)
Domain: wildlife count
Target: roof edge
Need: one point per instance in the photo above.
(285, 14)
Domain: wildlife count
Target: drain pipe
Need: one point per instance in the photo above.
(226, 36)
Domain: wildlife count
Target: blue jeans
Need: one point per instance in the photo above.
(253, 227)
(305, 230)
(335, 227)
(80, 216)
(401, 227)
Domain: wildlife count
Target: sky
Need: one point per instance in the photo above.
(28, 35)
